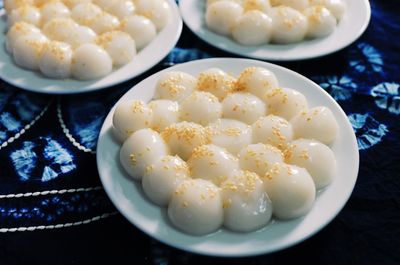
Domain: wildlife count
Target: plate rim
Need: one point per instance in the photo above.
(113, 198)
(227, 42)
(53, 88)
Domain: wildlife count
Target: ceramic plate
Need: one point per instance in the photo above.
(146, 58)
(128, 197)
(352, 25)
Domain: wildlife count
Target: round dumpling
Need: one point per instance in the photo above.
(272, 130)
(212, 163)
(121, 8)
(232, 135)
(257, 81)
(288, 25)
(130, 116)
(246, 204)
(55, 60)
(222, 16)
(85, 13)
(19, 29)
(158, 11)
(259, 5)
(244, 107)
(60, 29)
(104, 23)
(165, 113)
(209, 2)
(90, 61)
(25, 13)
(317, 123)
(259, 158)
(175, 86)
(72, 3)
(27, 50)
(285, 102)
(142, 149)
(81, 35)
(337, 7)
(253, 28)
(104, 4)
(119, 45)
(321, 22)
(182, 138)
(314, 156)
(200, 107)
(291, 190)
(53, 10)
(9, 5)
(161, 179)
(196, 207)
(141, 29)
(296, 4)
(217, 82)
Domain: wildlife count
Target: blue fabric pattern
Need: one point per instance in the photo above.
(48, 173)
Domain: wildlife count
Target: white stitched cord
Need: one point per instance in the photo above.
(68, 134)
(57, 226)
(27, 127)
(49, 192)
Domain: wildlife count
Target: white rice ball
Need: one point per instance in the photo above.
(165, 113)
(253, 28)
(217, 82)
(121, 8)
(158, 11)
(119, 45)
(272, 130)
(131, 116)
(196, 207)
(257, 81)
(104, 23)
(288, 25)
(232, 135)
(25, 13)
(161, 179)
(321, 22)
(317, 123)
(247, 206)
(175, 85)
(337, 7)
(141, 29)
(142, 149)
(19, 29)
(85, 13)
(296, 4)
(182, 138)
(212, 163)
(291, 190)
(244, 107)
(60, 29)
(259, 158)
(317, 158)
(27, 50)
(90, 61)
(55, 60)
(53, 10)
(259, 5)
(200, 107)
(222, 16)
(285, 102)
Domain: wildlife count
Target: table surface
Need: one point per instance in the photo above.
(53, 209)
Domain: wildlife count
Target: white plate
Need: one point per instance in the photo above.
(145, 59)
(128, 197)
(353, 24)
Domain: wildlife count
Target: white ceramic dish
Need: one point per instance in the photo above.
(145, 59)
(128, 197)
(350, 28)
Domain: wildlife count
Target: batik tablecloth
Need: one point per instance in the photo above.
(53, 209)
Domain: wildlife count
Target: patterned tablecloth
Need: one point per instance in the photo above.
(53, 209)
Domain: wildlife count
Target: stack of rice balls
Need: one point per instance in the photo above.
(82, 39)
(256, 22)
(224, 151)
